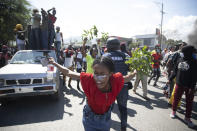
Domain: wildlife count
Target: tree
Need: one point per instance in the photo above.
(135, 44)
(141, 61)
(12, 12)
(171, 42)
(104, 37)
(93, 33)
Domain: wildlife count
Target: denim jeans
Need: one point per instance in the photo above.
(122, 105)
(35, 37)
(21, 46)
(51, 36)
(94, 122)
(58, 47)
(45, 39)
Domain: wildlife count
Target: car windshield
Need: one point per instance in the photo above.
(31, 57)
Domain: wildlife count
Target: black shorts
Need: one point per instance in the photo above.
(79, 70)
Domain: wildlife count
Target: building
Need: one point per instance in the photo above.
(150, 40)
(125, 40)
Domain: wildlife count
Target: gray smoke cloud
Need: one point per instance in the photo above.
(192, 37)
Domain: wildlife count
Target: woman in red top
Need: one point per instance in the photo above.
(101, 89)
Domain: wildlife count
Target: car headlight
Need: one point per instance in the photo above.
(1, 82)
(49, 80)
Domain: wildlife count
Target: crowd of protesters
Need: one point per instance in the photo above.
(105, 77)
(103, 73)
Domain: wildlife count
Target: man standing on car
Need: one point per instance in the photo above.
(58, 41)
(119, 58)
(35, 31)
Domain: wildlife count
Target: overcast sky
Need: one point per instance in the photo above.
(124, 18)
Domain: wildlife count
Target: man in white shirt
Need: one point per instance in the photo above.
(78, 64)
(58, 41)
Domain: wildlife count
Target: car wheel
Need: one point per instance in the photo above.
(55, 96)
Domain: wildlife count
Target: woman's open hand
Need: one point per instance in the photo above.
(51, 60)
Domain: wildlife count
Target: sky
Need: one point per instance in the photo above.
(125, 18)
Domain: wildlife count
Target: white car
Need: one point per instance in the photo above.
(28, 73)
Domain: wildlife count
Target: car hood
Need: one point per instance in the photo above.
(21, 70)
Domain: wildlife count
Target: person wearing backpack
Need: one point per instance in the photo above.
(119, 58)
(172, 61)
(185, 72)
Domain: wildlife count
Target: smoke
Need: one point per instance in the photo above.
(192, 37)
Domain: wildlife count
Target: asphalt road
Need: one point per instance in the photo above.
(41, 113)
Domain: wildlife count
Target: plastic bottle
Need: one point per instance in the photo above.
(50, 69)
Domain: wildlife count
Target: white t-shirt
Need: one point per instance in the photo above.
(58, 36)
(68, 61)
(19, 41)
(79, 56)
(36, 21)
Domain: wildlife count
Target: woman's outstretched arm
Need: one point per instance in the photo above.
(65, 70)
(129, 77)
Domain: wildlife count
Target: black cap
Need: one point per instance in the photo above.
(113, 44)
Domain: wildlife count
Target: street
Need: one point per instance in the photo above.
(44, 114)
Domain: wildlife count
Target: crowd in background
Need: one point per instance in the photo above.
(177, 63)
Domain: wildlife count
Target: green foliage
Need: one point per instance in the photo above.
(134, 44)
(141, 61)
(91, 33)
(104, 37)
(94, 33)
(12, 12)
(171, 42)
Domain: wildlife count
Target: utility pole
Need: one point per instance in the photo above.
(161, 25)
(162, 13)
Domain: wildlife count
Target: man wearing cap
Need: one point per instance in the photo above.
(119, 58)
(20, 37)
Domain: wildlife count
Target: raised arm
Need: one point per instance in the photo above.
(49, 10)
(129, 77)
(62, 37)
(65, 70)
(83, 47)
(98, 47)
